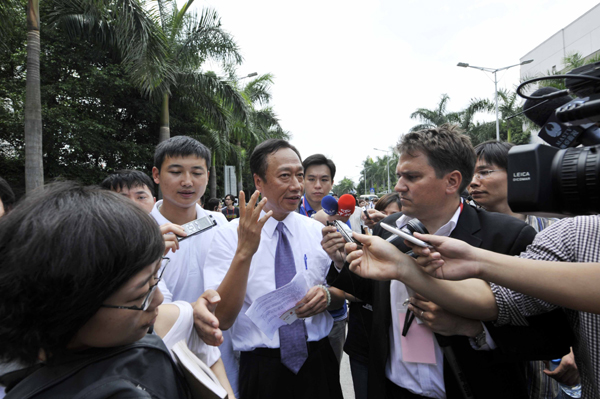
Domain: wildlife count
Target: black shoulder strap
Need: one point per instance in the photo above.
(47, 377)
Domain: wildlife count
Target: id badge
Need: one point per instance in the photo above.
(418, 344)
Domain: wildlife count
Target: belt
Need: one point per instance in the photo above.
(313, 346)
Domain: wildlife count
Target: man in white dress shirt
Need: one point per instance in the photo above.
(181, 170)
(246, 262)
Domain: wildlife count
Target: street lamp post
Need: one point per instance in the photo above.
(365, 177)
(388, 167)
(247, 76)
(495, 72)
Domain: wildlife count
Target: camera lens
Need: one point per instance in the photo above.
(576, 175)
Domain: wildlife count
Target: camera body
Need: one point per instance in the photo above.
(564, 177)
(547, 180)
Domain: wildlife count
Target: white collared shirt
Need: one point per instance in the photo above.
(420, 378)
(304, 235)
(184, 280)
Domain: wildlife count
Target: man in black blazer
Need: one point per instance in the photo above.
(435, 166)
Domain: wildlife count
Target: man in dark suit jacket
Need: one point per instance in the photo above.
(435, 166)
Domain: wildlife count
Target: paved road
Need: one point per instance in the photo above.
(346, 378)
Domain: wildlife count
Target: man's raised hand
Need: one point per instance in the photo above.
(251, 224)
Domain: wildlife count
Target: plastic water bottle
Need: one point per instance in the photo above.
(566, 392)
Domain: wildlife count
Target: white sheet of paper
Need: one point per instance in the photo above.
(267, 310)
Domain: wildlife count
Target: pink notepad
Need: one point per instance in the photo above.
(417, 346)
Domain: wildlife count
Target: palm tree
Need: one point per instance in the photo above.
(231, 145)
(262, 122)
(367, 180)
(434, 117)
(162, 48)
(571, 61)
(345, 186)
(192, 39)
(34, 168)
(511, 124)
(511, 128)
(130, 26)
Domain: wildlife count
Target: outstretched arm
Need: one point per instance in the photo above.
(571, 285)
(233, 288)
(205, 321)
(380, 260)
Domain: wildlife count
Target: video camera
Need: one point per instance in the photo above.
(563, 178)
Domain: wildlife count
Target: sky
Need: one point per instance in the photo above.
(348, 74)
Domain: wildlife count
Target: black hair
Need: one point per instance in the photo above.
(212, 204)
(494, 152)
(386, 200)
(180, 146)
(64, 250)
(258, 159)
(319, 159)
(128, 178)
(231, 196)
(447, 149)
(6, 195)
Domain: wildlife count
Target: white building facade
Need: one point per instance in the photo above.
(581, 36)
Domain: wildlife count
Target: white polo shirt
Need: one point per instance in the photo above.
(184, 280)
(304, 235)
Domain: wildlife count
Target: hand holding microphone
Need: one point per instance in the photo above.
(336, 210)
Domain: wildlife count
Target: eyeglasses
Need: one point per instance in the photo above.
(484, 174)
(149, 296)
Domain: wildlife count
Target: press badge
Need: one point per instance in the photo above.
(418, 345)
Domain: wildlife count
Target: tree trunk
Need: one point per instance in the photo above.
(34, 166)
(240, 186)
(165, 132)
(213, 176)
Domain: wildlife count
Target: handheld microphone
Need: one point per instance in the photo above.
(329, 205)
(553, 129)
(346, 205)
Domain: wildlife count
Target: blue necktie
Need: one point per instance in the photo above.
(292, 338)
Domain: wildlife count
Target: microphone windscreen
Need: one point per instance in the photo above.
(330, 205)
(540, 114)
(346, 205)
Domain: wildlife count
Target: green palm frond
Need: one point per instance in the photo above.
(259, 90)
(216, 99)
(431, 118)
(124, 25)
(199, 38)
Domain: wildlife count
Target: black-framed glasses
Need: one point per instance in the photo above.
(149, 295)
